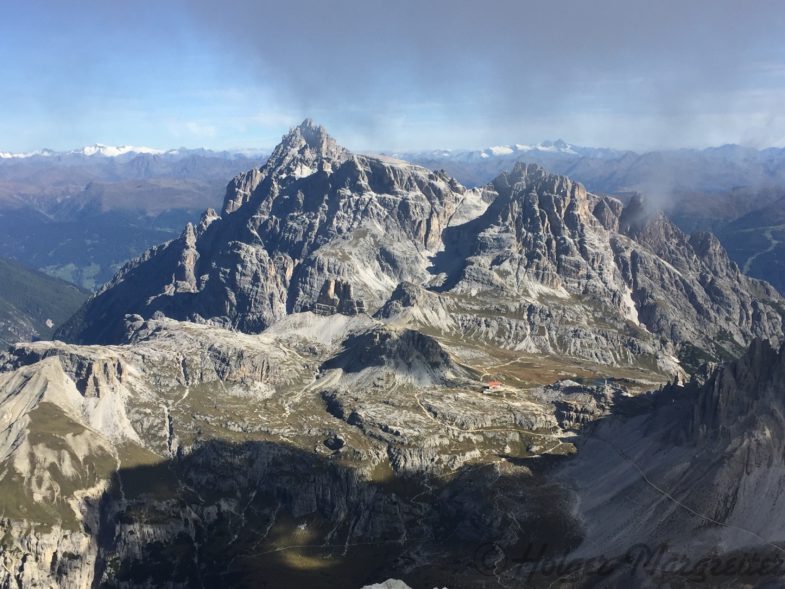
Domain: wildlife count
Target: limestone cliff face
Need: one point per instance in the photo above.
(545, 235)
(540, 231)
(744, 401)
(314, 211)
(688, 290)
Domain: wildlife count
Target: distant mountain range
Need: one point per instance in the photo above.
(656, 173)
(513, 151)
(81, 214)
(98, 150)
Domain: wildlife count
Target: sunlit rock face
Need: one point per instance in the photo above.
(313, 212)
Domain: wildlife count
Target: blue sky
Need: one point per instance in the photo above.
(381, 75)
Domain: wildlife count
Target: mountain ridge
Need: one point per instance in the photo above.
(315, 211)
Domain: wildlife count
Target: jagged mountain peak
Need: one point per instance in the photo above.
(637, 214)
(306, 143)
(312, 132)
(743, 397)
(528, 176)
(304, 150)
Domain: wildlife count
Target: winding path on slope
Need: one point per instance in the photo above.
(772, 244)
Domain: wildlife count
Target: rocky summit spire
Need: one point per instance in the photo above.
(305, 146)
(304, 150)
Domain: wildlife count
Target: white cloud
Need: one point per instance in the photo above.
(200, 129)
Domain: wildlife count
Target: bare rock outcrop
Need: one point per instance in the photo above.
(337, 296)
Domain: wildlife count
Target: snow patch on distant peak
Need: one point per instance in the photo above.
(501, 150)
(97, 149)
(114, 151)
(7, 155)
(497, 151)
